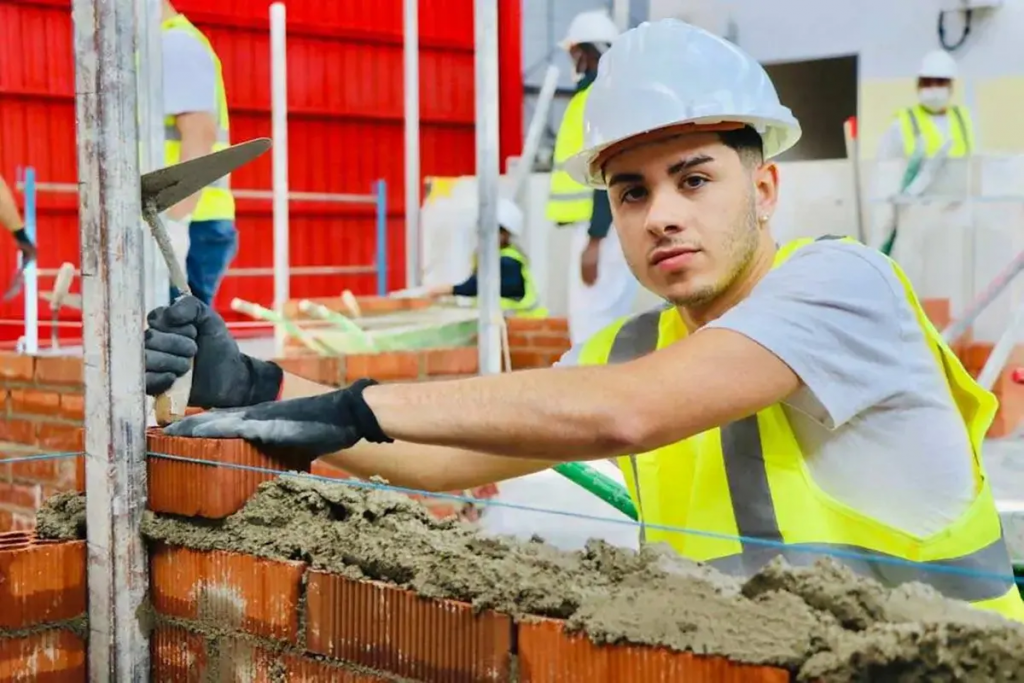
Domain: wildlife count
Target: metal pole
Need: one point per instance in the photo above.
(31, 273)
(411, 78)
(620, 14)
(279, 115)
(381, 190)
(150, 93)
(112, 321)
(534, 132)
(485, 17)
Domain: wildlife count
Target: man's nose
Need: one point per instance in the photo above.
(667, 213)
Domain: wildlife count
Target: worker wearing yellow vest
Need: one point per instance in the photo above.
(196, 122)
(518, 291)
(785, 400)
(934, 119)
(601, 287)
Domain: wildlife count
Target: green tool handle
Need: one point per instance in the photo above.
(605, 488)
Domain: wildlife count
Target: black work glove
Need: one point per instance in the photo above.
(297, 431)
(25, 246)
(223, 376)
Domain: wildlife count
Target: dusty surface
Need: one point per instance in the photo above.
(823, 623)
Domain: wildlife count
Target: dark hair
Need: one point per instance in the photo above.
(747, 143)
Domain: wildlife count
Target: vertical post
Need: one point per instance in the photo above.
(620, 14)
(534, 132)
(381, 191)
(411, 80)
(150, 93)
(279, 117)
(112, 321)
(31, 273)
(485, 20)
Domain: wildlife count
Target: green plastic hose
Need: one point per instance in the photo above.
(605, 488)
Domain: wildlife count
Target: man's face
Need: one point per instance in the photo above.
(686, 210)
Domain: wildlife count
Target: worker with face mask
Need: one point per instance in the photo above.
(935, 119)
(601, 287)
(786, 401)
(518, 292)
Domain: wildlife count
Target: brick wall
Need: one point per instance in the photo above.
(231, 616)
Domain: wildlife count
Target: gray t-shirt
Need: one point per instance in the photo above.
(874, 418)
(190, 75)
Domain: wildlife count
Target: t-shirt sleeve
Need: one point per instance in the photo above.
(833, 313)
(190, 75)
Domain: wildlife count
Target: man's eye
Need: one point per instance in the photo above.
(693, 182)
(633, 194)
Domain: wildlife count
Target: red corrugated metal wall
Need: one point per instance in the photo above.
(345, 123)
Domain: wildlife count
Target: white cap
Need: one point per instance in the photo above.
(937, 64)
(668, 73)
(590, 27)
(510, 217)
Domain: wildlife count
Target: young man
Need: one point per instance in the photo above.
(788, 401)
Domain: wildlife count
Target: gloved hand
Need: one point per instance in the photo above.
(296, 431)
(25, 246)
(223, 376)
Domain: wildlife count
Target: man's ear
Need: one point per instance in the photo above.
(766, 189)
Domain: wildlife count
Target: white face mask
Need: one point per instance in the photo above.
(934, 99)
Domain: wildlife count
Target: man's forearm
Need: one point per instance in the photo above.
(428, 468)
(10, 218)
(196, 141)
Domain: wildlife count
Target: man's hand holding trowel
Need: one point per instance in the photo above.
(10, 219)
(161, 190)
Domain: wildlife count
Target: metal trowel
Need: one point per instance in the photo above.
(61, 285)
(162, 189)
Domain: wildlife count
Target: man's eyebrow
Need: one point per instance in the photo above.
(689, 163)
(675, 168)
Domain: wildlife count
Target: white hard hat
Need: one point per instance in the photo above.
(510, 217)
(668, 73)
(590, 27)
(937, 64)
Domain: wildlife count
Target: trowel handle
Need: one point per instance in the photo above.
(171, 405)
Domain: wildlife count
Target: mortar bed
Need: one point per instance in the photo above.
(821, 623)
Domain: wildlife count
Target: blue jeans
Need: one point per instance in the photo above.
(212, 247)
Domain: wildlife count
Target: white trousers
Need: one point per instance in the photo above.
(591, 308)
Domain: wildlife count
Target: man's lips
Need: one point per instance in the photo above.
(666, 253)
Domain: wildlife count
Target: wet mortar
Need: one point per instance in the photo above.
(823, 623)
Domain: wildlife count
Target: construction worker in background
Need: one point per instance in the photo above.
(519, 295)
(786, 400)
(10, 218)
(934, 119)
(601, 287)
(196, 123)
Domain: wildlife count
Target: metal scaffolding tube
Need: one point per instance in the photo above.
(411, 79)
(150, 93)
(112, 289)
(279, 118)
(485, 20)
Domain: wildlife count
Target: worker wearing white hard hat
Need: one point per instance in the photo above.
(934, 119)
(518, 295)
(601, 287)
(786, 400)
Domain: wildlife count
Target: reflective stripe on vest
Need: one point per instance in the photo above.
(216, 201)
(721, 483)
(919, 122)
(569, 201)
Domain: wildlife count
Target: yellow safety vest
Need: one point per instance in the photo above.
(569, 201)
(529, 306)
(918, 121)
(748, 481)
(216, 201)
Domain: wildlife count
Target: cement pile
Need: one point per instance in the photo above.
(822, 623)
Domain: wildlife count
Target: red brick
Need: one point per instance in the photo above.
(538, 325)
(21, 495)
(458, 361)
(547, 654)
(17, 367)
(18, 431)
(230, 590)
(395, 631)
(204, 490)
(178, 655)
(37, 471)
(546, 341)
(522, 359)
(40, 581)
(23, 521)
(65, 370)
(34, 401)
(72, 406)
(383, 366)
(60, 437)
(322, 369)
(322, 469)
(296, 669)
(6, 520)
(52, 656)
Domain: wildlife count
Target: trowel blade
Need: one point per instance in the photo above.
(69, 301)
(166, 187)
